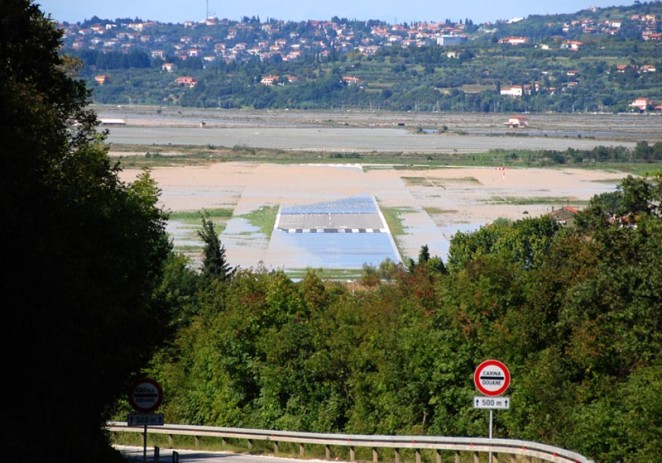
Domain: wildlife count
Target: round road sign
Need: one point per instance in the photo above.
(492, 378)
(146, 395)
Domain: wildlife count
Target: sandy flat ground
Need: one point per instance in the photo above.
(433, 204)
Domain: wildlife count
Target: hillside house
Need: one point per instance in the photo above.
(351, 80)
(269, 80)
(514, 91)
(187, 81)
(514, 40)
(563, 216)
(101, 79)
(641, 104)
(448, 40)
(574, 45)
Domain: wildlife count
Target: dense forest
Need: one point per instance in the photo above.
(597, 60)
(575, 312)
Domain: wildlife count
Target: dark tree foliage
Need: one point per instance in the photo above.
(81, 255)
(214, 263)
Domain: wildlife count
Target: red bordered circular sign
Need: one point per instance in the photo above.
(492, 378)
(146, 395)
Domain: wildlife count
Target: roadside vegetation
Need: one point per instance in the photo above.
(572, 310)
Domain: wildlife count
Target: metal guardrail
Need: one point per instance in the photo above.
(473, 445)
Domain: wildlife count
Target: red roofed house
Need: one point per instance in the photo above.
(641, 104)
(573, 45)
(565, 215)
(187, 81)
(269, 80)
(350, 80)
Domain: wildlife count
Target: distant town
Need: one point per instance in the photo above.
(216, 39)
(278, 50)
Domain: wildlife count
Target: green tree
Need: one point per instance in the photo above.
(214, 263)
(82, 254)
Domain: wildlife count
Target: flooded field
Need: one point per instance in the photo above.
(431, 204)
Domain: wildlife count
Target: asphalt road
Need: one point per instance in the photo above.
(136, 454)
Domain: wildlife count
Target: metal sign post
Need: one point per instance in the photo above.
(145, 444)
(145, 397)
(492, 378)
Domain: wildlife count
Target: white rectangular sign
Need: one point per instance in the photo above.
(145, 419)
(496, 403)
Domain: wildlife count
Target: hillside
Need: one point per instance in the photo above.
(596, 60)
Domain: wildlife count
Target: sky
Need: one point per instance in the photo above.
(392, 11)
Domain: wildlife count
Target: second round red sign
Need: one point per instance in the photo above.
(492, 378)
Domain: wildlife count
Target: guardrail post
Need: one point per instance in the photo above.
(302, 450)
(327, 451)
(171, 440)
(495, 458)
(457, 457)
(352, 454)
(476, 457)
(375, 455)
(223, 442)
(197, 441)
(276, 448)
(175, 457)
(397, 456)
(418, 456)
(250, 445)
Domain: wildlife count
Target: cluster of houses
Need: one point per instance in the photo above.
(647, 24)
(221, 39)
(572, 79)
(229, 41)
(644, 104)
(225, 40)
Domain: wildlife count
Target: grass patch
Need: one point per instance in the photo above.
(416, 181)
(532, 200)
(439, 211)
(393, 217)
(438, 182)
(263, 218)
(195, 155)
(217, 216)
(327, 274)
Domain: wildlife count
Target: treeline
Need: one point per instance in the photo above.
(575, 312)
(643, 152)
